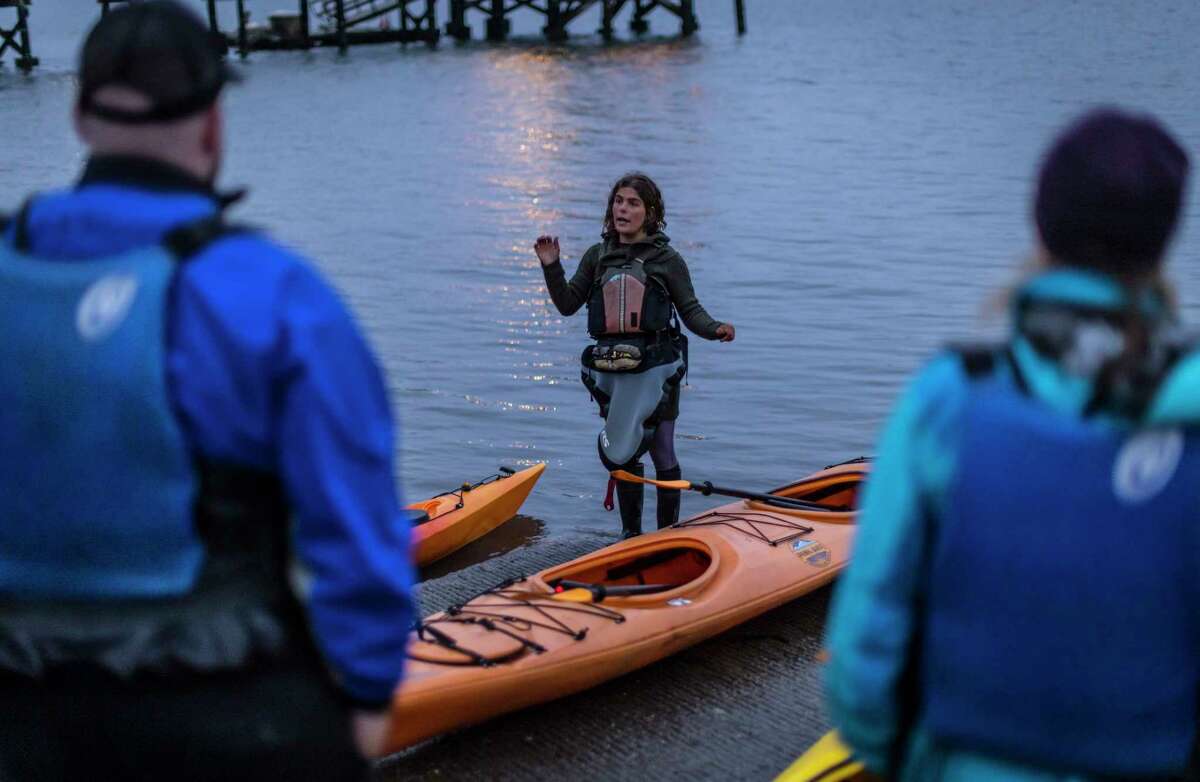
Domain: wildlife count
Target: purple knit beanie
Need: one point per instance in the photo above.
(1109, 192)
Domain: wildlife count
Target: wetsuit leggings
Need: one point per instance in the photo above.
(282, 722)
(662, 449)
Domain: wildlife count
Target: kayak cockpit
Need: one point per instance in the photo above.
(833, 493)
(838, 494)
(631, 572)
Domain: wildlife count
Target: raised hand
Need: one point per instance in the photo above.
(547, 250)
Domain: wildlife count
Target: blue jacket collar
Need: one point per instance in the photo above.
(120, 203)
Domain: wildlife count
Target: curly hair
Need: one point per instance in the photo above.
(656, 209)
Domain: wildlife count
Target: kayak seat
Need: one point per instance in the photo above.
(431, 509)
(416, 515)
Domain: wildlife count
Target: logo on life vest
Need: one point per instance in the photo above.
(1146, 463)
(104, 305)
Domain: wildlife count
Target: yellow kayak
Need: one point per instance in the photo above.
(829, 760)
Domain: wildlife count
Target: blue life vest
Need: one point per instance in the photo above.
(98, 480)
(118, 548)
(1062, 619)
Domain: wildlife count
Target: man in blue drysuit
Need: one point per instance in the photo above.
(204, 564)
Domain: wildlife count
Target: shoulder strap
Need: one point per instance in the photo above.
(980, 361)
(977, 360)
(189, 239)
(20, 223)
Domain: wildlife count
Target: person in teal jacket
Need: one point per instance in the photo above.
(1023, 601)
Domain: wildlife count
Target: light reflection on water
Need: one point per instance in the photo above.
(849, 184)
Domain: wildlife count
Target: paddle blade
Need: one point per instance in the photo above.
(829, 760)
(573, 596)
(623, 475)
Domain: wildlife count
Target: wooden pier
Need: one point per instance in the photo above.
(343, 23)
(16, 37)
(416, 21)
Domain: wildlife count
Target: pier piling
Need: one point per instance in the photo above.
(638, 24)
(555, 29)
(340, 17)
(457, 27)
(687, 16)
(17, 36)
(305, 38)
(609, 13)
(498, 25)
(241, 29)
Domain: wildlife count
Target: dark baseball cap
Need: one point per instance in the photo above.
(158, 48)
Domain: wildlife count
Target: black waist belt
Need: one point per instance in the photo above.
(222, 627)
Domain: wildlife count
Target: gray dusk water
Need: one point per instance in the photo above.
(849, 184)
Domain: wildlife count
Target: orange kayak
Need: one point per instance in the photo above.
(458, 517)
(531, 640)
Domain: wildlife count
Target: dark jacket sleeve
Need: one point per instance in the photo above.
(683, 296)
(568, 297)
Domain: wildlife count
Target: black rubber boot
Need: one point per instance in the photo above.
(668, 499)
(629, 500)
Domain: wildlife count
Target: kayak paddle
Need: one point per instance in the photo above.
(579, 592)
(706, 488)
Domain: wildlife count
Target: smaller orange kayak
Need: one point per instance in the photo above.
(469, 512)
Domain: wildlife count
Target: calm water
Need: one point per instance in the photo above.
(849, 184)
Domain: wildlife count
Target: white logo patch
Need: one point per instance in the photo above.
(1146, 464)
(104, 305)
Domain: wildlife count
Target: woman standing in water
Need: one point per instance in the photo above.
(1024, 597)
(633, 282)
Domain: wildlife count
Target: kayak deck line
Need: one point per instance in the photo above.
(754, 521)
(491, 610)
(760, 605)
(456, 494)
